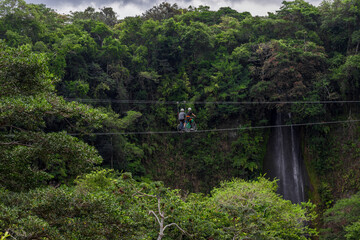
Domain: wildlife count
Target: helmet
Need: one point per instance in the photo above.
(189, 109)
(181, 110)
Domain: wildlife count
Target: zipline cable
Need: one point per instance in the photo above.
(215, 130)
(204, 102)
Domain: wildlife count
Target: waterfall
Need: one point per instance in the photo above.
(283, 160)
(297, 166)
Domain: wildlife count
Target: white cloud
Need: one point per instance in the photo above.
(65, 8)
(256, 9)
(126, 8)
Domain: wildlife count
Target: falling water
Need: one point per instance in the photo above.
(284, 161)
(297, 166)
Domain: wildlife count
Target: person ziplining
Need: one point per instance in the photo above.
(181, 118)
(186, 121)
(189, 121)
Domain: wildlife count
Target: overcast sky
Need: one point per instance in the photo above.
(126, 8)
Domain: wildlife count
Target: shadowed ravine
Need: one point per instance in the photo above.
(283, 160)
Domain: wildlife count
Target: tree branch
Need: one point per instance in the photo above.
(182, 230)
(159, 207)
(11, 126)
(15, 143)
(157, 218)
(144, 194)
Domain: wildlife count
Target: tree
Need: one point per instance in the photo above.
(341, 220)
(109, 16)
(340, 20)
(160, 213)
(106, 204)
(106, 15)
(229, 12)
(300, 13)
(161, 12)
(347, 77)
(288, 71)
(255, 211)
(28, 20)
(197, 39)
(129, 30)
(100, 205)
(33, 149)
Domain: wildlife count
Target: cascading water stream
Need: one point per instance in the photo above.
(284, 161)
(297, 166)
(280, 155)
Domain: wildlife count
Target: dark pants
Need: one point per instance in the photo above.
(182, 124)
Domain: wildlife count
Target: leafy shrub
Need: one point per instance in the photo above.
(258, 212)
(342, 220)
(105, 205)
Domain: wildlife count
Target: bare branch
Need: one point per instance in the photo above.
(157, 218)
(159, 208)
(182, 230)
(160, 217)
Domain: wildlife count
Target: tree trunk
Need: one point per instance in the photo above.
(112, 154)
(161, 231)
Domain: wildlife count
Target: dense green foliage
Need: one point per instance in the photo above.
(105, 206)
(342, 220)
(62, 79)
(34, 150)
